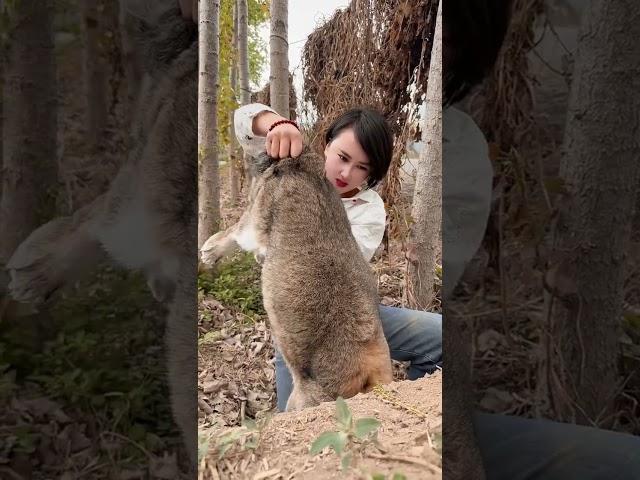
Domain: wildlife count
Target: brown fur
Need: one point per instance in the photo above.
(319, 292)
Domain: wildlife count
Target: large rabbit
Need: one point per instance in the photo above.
(319, 292)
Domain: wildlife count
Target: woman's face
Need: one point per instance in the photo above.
(346, 165)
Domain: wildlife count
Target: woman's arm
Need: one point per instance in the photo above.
(252, 122)
(263, 120)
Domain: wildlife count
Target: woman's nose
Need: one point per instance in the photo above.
(346, 171)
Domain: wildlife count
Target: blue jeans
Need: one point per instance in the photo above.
(412, 335)
(514, 448)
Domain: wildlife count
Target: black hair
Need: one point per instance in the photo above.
(374, 136)
(474, 31)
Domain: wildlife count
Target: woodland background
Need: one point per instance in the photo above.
(526, 297)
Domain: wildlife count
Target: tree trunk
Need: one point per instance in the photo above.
(2, 52)
(243, 58)
(95, 74)
(243, 43)
(426, 210)
(233, 147)
(279, 60)
(29, 131)
(208, 182)
(132, 63)
(600, 170)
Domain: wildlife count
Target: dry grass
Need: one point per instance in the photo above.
(374, 53)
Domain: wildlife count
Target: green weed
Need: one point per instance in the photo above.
(236, 284)
(349, 436)
(103, 358)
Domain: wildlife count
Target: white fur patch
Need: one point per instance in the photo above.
(246, 238)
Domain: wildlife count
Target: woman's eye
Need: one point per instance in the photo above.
(342, 157)
(363, 168)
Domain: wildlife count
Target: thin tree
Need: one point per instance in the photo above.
(279, 57)
(95, 73)
(131, 61)
(426, 210)
(243, 44)
(2, 62)
(30, 170)
(600, 170)
(208, 181)
(233, 147)
(243, 59)
(3, 59)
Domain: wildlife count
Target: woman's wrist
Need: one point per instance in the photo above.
(284, 121)
(263, 120)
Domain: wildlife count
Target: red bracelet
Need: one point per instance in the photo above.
(280, 122)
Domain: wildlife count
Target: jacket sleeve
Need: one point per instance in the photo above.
(368, 236)
(367, 225)
(252, 145)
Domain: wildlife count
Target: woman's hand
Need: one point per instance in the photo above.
(284, 141)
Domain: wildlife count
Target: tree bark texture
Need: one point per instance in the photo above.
(95, 73)
(131, 61)
(30, 123)
(426, 211)
(243, 58)
(279, 59)
(600, 170)
(233, 147)
(208, 181)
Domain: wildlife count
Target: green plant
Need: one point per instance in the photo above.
(236, 284)
(437, 442)
(203, 445)
(349, 436)
(102, 357)
(244, 437)
(209, 337)
(382, 476)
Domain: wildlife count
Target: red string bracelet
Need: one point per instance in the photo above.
(280, 122)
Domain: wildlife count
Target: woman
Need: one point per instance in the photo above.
(358, 148)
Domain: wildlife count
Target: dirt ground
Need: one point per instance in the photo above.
(409, 438)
